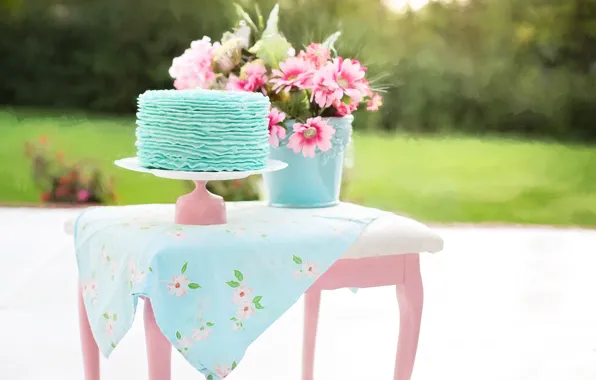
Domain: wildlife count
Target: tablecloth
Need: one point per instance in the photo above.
(214, 289)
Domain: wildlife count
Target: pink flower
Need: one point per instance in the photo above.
(223, 372)
(293, 72)
(253, 76)
(83, 195)
(307, 137)
(310, 269)
(90, 290)
(242, 296)
(176, 234)
(245, 311)
(338, 79)
(316, 54)
(276, 131)
(375, 102)
(179, 285)
(343, 109)
(193, 69)
(200, 334)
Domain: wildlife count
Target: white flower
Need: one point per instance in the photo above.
(201, 334)
(245, 311)
(242, 295)
(110, 327)
(309, 269)
(89, 290)
(179, 285)
(237, 326)
(177, 234)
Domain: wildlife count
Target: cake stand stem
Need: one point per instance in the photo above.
(200, 207)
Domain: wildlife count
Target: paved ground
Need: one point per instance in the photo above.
(501, 304)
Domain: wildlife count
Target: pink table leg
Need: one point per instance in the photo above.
(403, 271)
(88, 345)
(312, 300)
(159, 349)
(410, 298)
(200, 207)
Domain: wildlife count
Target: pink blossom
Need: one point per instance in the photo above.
(276, 131)
(193, 69)
(375, 102)
(293, 72)
(245, 311)
(338, 79)
(316, 54)
(343, 109)
(83, 195)
(223, 372)
(253, 76)
(310, 135)
(310, 269)
(242, 296)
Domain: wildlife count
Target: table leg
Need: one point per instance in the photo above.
(159, 349)
(410, 299)
(312, 300)
(88, 345)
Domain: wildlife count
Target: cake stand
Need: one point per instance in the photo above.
(199, 207)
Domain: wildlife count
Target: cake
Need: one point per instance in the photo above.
(202, 130)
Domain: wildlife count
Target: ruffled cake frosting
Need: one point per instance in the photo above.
(202, 130)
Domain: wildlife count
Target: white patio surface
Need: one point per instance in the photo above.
(500, 304)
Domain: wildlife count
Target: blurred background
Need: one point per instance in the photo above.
(490, 116)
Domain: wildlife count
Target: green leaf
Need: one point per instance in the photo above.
(245, 16)
(259, 306)
(210, 377)
(330, 41)
(178, 335)
(257, 299)
(209, 324)
(233, 319)
(106, 316)
(272, 22)
(113, 345)
(259, 16)
(297, 259)
(238, 275)
(115, 317)
(264, 235)
(194, 285)
(150, 269)
(184, 268)
(233, 284)
(108, 258)
(234, 365)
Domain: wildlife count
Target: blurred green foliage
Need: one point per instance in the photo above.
(520, 66)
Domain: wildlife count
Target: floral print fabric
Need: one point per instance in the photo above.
(214, 289)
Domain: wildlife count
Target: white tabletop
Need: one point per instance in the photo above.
(388, 235)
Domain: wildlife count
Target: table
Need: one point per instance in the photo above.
(386, 253)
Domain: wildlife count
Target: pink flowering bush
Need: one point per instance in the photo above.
(308, 86)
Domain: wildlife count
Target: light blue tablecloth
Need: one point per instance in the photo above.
(214, 289)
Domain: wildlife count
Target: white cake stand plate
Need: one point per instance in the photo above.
(200, 207)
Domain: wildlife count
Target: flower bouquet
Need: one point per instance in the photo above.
(313, 95)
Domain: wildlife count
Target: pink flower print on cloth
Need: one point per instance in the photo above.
(178, 233)
(307, 268)
(204, 331)
(183, 343)
(110, 322)
(223, 371)
(89, 290)
(242, 298)
(242, 295)
(136, 276)
(180, 284)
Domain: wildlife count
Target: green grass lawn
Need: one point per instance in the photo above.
(440, 179)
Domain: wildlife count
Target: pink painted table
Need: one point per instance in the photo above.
(386, 254)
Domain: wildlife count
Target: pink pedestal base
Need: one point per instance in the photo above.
(200, 207)
(403, 271)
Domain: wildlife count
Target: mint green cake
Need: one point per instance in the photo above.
(202, 130)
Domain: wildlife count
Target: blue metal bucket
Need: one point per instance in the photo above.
(309, 182)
